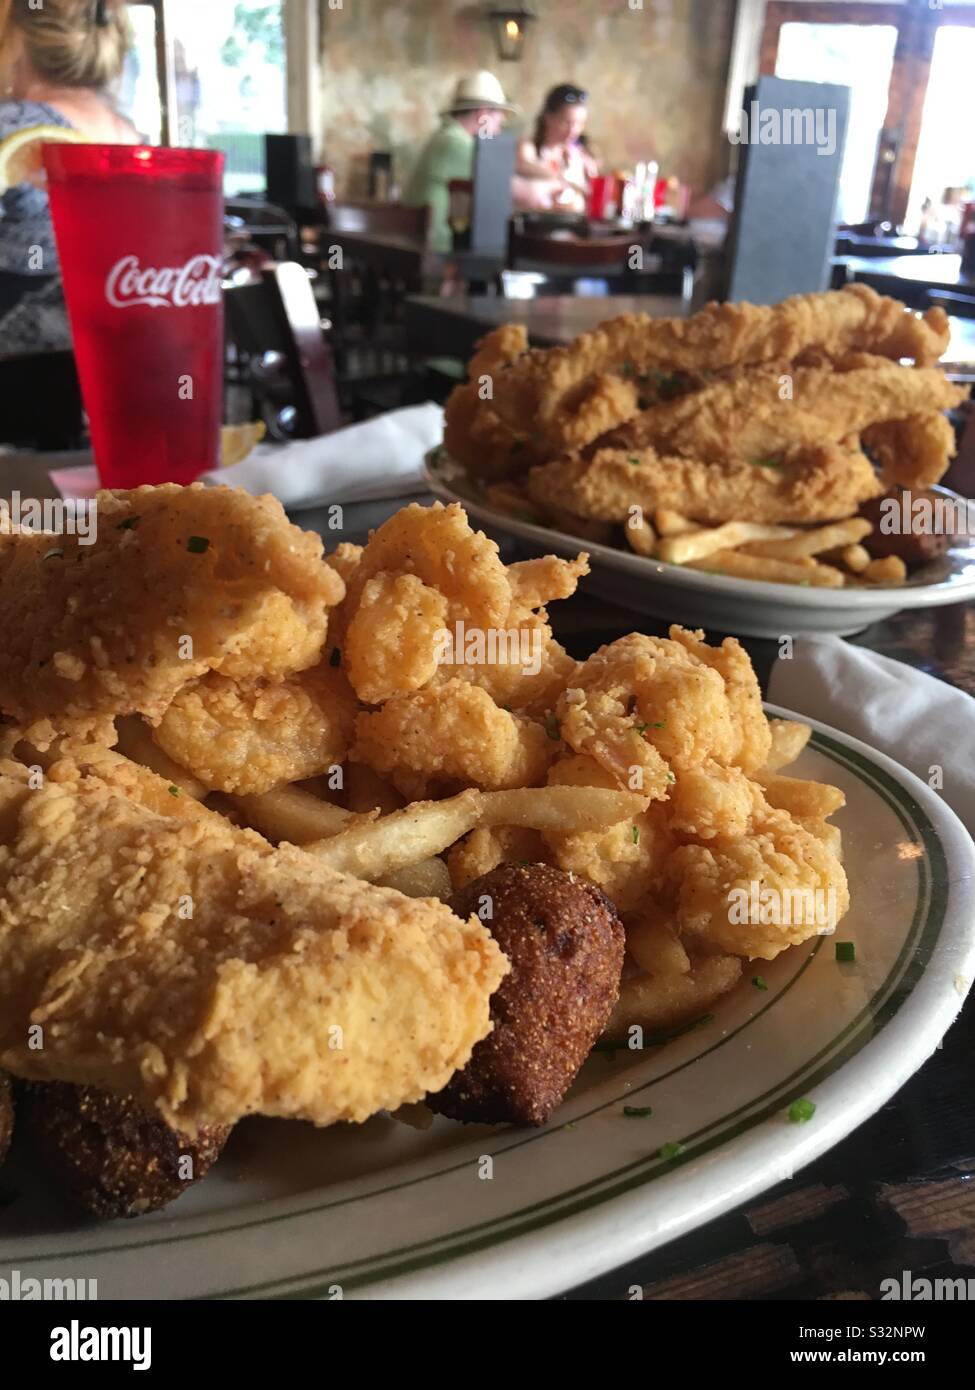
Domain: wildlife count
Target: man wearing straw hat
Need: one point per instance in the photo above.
(477, 110)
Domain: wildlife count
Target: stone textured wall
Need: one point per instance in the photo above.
(656, 77)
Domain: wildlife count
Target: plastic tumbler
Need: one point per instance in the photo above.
(140, 240)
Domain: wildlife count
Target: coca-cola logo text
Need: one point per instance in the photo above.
(171, 287)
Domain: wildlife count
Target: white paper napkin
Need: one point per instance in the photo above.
(379, 458)
(917, 720)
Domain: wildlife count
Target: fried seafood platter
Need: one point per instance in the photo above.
(777, 444)
(316, 836)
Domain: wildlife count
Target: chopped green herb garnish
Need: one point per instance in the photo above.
(569, 1125)
(766, 463)
(801, 1110)
(173, 791)
(642, 728)
(629, 369)
(846, 951)
(634, 461)
(669, 383)
(635, 834)
(552, 727)
(55, 554)
(637, 1112)
(129, 524)
(506, 707)
(671, 1150)
(198, 545)
(759, 982)
(671, 777)
(335, 657)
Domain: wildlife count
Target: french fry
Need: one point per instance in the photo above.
(890, 571)
(804, 543)
(696, 545)
(856, 558)
(565, 808)
(428, 879)
(654, 1002)
(374, 849)
(789, 738)
(655, 946)
(135, 741)
(289, 813)
(742, 566)
(801, 798)
(671, 523)
(641, 537)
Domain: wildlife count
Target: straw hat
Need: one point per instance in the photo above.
(483, 89)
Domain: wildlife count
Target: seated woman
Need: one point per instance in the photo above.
(554, 166)
(57, 64)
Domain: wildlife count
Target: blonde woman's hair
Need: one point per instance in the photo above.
(63, 41)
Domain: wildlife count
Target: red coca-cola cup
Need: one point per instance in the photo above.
(601, 190)
(140, 240)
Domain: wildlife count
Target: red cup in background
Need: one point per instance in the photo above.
(601, 190)
(140, 241)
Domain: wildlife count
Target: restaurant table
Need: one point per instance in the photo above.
(898, 1193)
(452, 325)
(886, 273)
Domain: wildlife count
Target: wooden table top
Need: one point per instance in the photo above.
(896, 1194)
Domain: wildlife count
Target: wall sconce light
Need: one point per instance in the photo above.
(510, 26)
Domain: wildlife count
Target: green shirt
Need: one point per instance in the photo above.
(449, 154)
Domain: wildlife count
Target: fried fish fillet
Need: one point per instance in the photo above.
(192, 967)
(179, 581)
(555, 389)
(763, 413)
(473, 433)
(914, 452)
(827, 483)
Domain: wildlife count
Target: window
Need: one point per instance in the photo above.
(225, 69)
(860, 57)
(229, 75)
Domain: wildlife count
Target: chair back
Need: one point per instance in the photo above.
(573, 256)
(278, 313)
(390, 219)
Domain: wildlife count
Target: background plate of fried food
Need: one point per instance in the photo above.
(760, 469)
(354, 966)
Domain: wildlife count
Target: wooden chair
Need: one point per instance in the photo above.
(40, 401)
(281, 353)
(366, 303)
(389, 219)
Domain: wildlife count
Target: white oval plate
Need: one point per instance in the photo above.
(383, 1211)
(747, 607)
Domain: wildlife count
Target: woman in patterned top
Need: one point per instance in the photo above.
(56, 65)
(554, 167)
